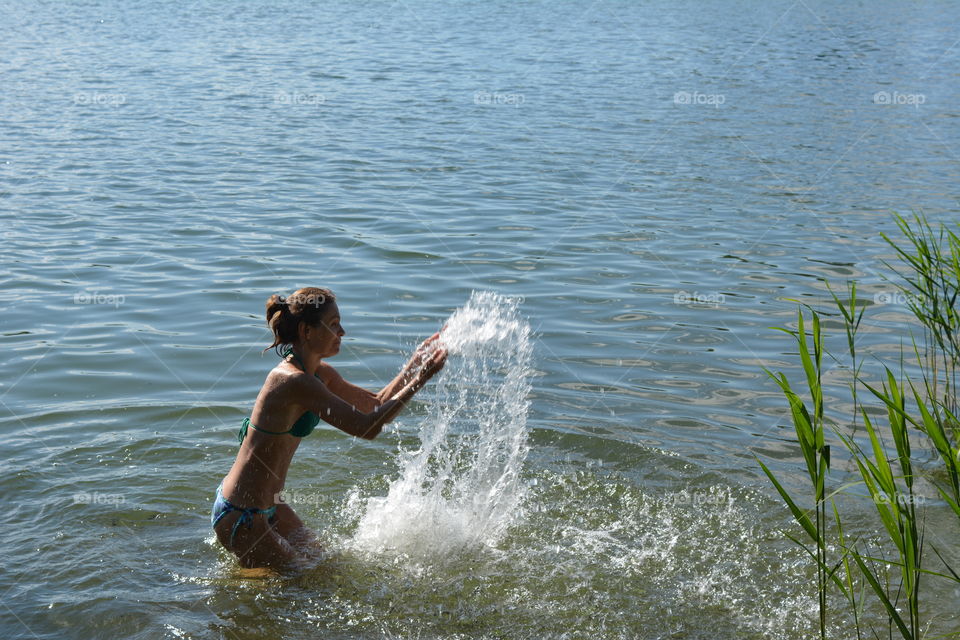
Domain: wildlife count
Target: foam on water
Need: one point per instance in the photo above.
(460, 489)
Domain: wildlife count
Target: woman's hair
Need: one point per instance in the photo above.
(284, 315)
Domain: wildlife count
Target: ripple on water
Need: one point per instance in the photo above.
(654, 243)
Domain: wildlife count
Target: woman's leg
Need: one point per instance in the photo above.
(257, 545)
(293, 530)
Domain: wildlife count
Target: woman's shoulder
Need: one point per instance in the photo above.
(288, 382)
(286, 386)
(328, 374)
(284, 376)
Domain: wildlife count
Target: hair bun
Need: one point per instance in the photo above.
(285, 314)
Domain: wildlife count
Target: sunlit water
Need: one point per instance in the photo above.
(655, 181)
(461, 488)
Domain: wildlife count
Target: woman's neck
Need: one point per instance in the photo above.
(309, 362)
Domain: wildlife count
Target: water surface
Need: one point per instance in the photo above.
(656, 180)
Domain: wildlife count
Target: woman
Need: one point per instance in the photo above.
(248, 517)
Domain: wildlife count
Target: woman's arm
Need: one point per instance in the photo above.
(359, 397)
(420, 357)
(367, 401)
(359, 412)
(360, 421)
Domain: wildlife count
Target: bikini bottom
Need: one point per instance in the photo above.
(222, 507)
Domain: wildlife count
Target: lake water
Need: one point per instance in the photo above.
(655, 180)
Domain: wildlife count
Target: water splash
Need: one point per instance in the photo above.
(461, 490)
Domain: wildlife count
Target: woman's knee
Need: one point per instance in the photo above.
(256, 544)
(270, 550)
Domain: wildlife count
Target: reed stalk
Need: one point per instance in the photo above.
(889, 475)
(931, 288)
(816, 454)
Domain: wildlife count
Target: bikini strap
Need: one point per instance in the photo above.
(246, 516)
(289, 352)
(247, 424)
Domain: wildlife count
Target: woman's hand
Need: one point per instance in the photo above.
(422, 355)
(432, 361)
(430, 364)
(425, 349)
(427, 360)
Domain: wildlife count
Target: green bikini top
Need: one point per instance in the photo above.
(301, 428)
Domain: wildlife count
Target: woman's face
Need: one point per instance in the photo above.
(324, 338)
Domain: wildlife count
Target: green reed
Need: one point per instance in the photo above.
(852, 317)
(931, 287)
(816, 454)
(891, 488)
(889, 477)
